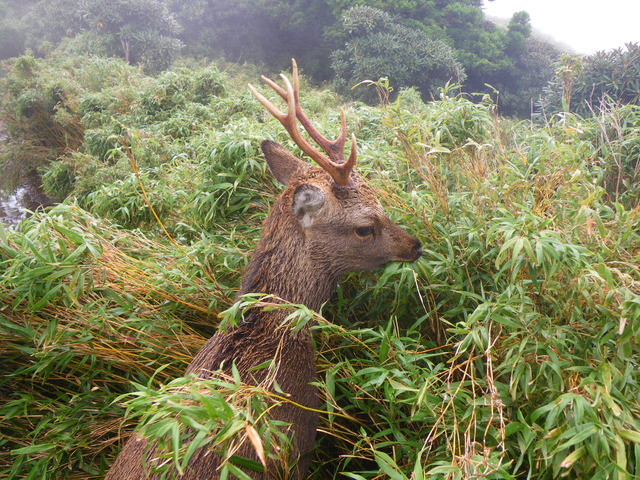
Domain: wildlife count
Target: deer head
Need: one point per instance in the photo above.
(329, 211)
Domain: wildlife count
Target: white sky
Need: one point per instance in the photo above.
(586, 26)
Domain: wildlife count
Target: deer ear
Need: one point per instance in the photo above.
(308, 202)
(282, 163)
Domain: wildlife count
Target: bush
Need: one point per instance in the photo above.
(144, 32)
(41, 109)
(616, 162)
(584, 85)
(379, 46)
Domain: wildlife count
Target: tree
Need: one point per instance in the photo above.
(11, 40)
(533, 69)
(143, 31)
(378, 45)
(527, 68)
(140, 31)
(479, 45)
(518, 31)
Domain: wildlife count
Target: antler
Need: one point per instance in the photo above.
(334, 164)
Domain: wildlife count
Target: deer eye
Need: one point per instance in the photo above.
(364, 231)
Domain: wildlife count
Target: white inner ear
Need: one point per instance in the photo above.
(308, 202)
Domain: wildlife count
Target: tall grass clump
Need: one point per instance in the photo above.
(536, 373)
(85, 312)
(40, 108)
(509, 350)
(540, 360)
(617, 162)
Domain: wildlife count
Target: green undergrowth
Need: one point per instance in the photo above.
(509, 350)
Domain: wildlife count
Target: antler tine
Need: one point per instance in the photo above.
(291, 127)
(273, 110)
(280, 91)
(335, 165)
(296, 81)
(351, 162)
(287, 120)
(334, 148)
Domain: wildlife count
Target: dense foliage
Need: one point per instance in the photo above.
(587, 84)
(510, 350)
(142, 31)
(379, 46)
(422, 44)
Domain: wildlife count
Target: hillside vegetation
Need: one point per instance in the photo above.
(421, 44)
(510, 350)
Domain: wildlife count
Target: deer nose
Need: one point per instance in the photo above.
(417, 248)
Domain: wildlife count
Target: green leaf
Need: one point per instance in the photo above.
(245, 463)
(44, 447)
(73, 236)
(388, 466)
(46, 297)
(631, 435)
(587, 430)
(443, 469)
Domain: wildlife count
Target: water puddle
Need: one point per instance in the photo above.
(13, 206)
(16, 206)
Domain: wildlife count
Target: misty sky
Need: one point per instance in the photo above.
(586, 26)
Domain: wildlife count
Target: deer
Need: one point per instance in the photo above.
(325, 223)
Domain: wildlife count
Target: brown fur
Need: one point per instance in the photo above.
(304, 249)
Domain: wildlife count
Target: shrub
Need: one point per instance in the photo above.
(379, 46)
(583, 85)
(142, 33)
(616, 162)
(41, 108)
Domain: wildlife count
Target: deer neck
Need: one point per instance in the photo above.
(283, 265)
